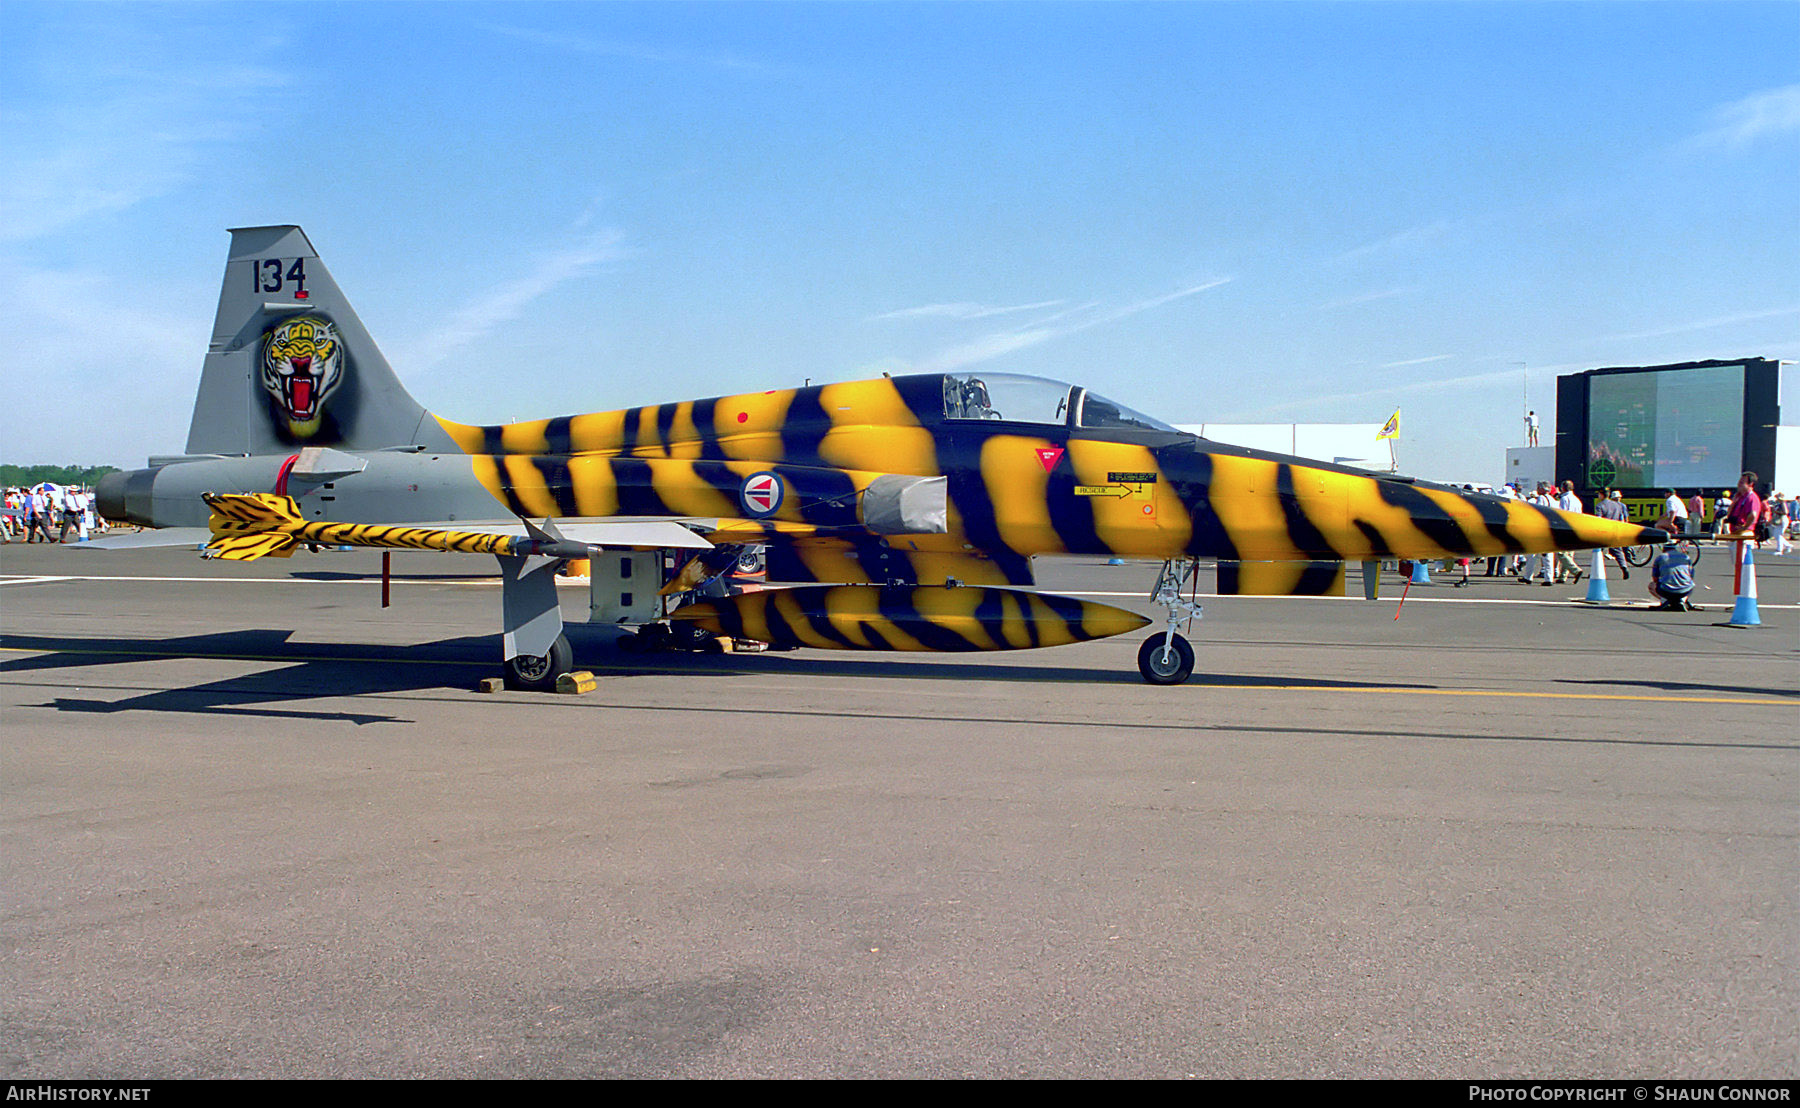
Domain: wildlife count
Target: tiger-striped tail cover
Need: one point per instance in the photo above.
(248, 526)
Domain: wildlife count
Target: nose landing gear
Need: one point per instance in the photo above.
(1166, 658)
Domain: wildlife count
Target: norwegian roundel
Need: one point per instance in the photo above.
(760, 495)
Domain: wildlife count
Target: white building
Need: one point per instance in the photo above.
(1528, 466)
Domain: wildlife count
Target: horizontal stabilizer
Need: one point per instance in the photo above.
(632, 533)
(167, 536)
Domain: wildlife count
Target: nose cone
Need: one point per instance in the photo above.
(1578, 531)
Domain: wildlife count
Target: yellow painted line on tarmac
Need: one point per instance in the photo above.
(1723, 601)
(1641, 698)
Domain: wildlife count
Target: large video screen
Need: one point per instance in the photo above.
(1666, 428)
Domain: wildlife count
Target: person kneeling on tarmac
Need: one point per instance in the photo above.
(1672, 580)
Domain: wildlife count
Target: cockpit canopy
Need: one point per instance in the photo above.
(1019, 399)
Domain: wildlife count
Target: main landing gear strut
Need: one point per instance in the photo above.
(1166, 658)
(532, 640)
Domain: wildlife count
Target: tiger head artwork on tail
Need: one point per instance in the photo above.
(302, 364)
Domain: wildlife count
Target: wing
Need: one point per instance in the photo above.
(630, 533)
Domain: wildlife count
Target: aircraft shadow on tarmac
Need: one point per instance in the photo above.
(1697, 687)
(316, 671)
(834, 664)
(335, 670)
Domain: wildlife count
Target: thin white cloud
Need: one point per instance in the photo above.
(1390, 394)
(590, 213)
(983, 349)
(1418, 361)
(1367, 298)
(1754, 118)
(996, 344)
(639, 51)
(1413, 238)
(1704, 324)
(1154, 302)
(130, 116)
(964, 310)
(506, 302)
(136, 372)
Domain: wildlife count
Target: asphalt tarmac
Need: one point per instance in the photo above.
(257, 826)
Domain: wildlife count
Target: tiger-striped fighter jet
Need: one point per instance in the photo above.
(904, 513)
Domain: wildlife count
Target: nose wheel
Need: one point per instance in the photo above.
(1166, 658)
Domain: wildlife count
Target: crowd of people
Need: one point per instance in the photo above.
(49, 513)
(1734, 511)
(1547, 569)
(1740, 511)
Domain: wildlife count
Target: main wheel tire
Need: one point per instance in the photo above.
(651, 638)
(1159, 670)
(538, 672)
(688, 636)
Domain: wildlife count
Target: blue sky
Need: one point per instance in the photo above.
(1215, 212)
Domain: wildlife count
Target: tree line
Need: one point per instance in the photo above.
(21, 476)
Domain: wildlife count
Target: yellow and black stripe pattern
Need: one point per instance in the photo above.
(884, 425)
(1270, 508)
(1325, 578)
(1016, 489)
(865, 617)
(249, 526)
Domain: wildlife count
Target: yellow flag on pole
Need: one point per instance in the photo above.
(1390, 429)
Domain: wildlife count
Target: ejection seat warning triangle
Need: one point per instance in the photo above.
(1049, 455)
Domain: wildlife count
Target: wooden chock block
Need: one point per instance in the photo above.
(580, 681)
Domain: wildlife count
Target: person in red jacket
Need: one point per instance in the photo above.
(1746, 506)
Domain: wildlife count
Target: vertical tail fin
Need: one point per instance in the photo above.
(290, 365)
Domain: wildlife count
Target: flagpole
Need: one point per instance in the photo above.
(1391, 432)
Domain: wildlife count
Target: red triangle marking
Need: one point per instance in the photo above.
(1049, 455)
